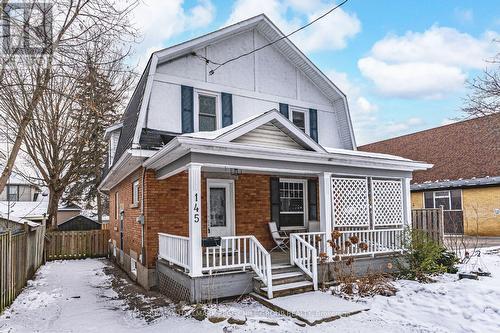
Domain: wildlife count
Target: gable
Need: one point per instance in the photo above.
(268, 135)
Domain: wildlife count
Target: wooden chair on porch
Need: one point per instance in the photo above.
(281, 239)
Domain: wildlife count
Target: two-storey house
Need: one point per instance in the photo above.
(204, 160)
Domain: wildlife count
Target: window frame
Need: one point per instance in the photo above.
(305, 206)
(9, 187)
(133, 266)
(117, 204)
(441, 197)
(305, 111)
(135, 192)
(196, 107)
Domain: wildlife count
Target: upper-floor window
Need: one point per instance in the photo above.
(298, 116)
(13, 192)
(135, 192)
(207, 105)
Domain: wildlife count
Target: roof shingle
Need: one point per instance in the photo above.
(461, 150)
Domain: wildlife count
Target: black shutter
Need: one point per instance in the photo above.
(284, 110)
(187, 109)
(312, 199)
(313, 124)
(275, 200)
(227, 109)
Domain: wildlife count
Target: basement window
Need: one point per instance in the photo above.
(133, 266)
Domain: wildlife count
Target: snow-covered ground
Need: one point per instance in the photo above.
(80, 296)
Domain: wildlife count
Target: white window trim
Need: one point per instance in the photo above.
(449, 200)
(196, 106)
(133, 266)
(305, 204)
(230, 201)
(117, 205)
(305, 111)
(135, 192)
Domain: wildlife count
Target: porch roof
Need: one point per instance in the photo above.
(218, 149)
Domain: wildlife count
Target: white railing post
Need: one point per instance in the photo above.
(326, 213)
(195, 250)
(292, 250)
(269, 276)
(407, 202)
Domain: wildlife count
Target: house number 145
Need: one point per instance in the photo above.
(196, 209)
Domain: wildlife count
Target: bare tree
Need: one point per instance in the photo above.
(485, 96)
(103, 92)
(67, 28)
(41, 96)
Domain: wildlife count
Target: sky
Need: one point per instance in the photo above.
(404, 65)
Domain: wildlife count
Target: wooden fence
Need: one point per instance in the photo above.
(20, 257)
(77, 244)
(429, 220)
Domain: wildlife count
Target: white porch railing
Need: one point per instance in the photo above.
(240, 252)
(316, 239)
(174, 249)
(305, 256)
(370, 242)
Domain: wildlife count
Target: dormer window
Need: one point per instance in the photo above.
(208, 114)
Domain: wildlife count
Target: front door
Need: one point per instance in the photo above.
(220, 207)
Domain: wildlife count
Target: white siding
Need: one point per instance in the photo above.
(268, 135)
(240, 73)
(245, 107)
(258, 83)
(275, 74)
(164, 111)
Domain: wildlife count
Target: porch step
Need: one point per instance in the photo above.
(287, 277)
(283, 268)
(289, 288)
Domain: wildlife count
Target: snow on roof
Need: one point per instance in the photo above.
(364, 154)
(24, 209)
(483, 181)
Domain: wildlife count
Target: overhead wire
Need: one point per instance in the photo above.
(220, 64)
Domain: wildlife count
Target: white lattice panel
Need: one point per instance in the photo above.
(350, 201)
(387, 202)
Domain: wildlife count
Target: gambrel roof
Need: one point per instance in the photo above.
(134, 134)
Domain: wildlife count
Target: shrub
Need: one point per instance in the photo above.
(425, 258)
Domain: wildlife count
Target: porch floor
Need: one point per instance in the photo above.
(279, 257)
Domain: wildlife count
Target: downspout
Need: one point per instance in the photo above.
(143, 252)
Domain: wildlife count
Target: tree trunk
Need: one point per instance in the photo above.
(37, 95)
(54, 197)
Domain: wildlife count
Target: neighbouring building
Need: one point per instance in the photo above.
(22, 201)
(465, 178)
(204, 160)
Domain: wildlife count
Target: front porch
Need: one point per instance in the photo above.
(332, 202)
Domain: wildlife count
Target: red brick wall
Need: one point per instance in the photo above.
(166, 210)
(132, 229)
(253, 207)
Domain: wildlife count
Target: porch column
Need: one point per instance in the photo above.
(407, 202)
(195, 251)
(325, 205)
